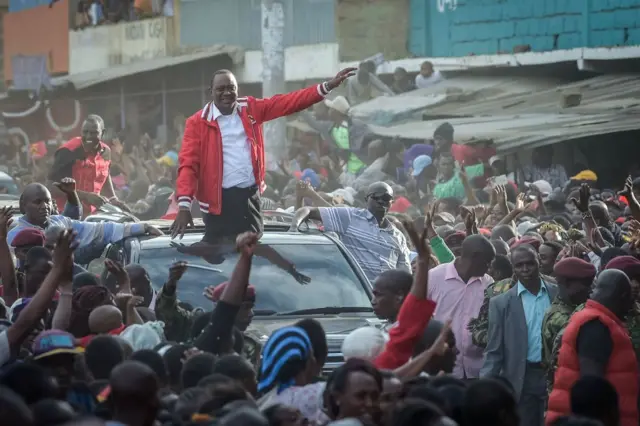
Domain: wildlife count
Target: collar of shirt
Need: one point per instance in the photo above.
(384, 226)
(451, 273)
(216, 112)
(522, 289)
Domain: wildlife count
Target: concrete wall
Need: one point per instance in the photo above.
(367, 27)
(238, 22)
(110, 45)
(464, 27)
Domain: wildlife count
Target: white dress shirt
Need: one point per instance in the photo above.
(237, 168)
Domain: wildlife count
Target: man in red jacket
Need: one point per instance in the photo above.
(87, 160)
(222, 158)
(596, 343)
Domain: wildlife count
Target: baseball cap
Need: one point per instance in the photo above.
(543, 186)
(420, 163)
(53, 342)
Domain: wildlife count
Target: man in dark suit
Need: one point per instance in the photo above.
(515, 335)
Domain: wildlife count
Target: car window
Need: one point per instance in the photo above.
(333, 282)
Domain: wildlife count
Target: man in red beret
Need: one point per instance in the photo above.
(25, 240)
(574, 277)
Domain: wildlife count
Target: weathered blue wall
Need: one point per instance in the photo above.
(463, 27)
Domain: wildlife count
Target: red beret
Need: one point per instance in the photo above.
(249, 295)
(28, 237)
(573, 267)
(627, 264)
(534, 242)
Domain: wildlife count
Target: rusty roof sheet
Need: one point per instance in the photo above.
(90, 78)
(523, 117)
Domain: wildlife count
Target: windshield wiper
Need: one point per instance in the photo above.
(328, 310)
(265, 312)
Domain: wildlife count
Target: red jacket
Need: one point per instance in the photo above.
(200, 157)
(89, 171)
(622, 370)
(413, 318)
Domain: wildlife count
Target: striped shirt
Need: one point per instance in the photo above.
(376, 249)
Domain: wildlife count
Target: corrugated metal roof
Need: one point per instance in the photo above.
(522, 117)
(463, 90)
(523, 131)
(90, 78)
(604, 93)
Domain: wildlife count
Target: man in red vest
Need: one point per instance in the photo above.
(222, 158)
(87, 160)
(596, 343)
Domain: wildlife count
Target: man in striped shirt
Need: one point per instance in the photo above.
(375, 243)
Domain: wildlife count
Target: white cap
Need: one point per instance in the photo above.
(340, 104)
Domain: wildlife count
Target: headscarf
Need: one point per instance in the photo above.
(85, 300)
(145, 336)
(284, 346)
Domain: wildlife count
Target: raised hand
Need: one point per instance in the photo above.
(66, 185)
(420, 241)
(116, 268)
(246, 243)
(583, 203)
(63, 253)
(627, 191)
(176, 271)
(5, 221)
(340, 77)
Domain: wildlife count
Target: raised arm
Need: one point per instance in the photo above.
(285, 104)
(7, 268)
(37, 307)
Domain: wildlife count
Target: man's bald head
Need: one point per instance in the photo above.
(476, 255)
(36, 204)
(613, 290)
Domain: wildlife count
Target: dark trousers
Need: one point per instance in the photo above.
(240, 213)
(533, 397)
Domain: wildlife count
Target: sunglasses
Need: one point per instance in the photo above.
(387, 198)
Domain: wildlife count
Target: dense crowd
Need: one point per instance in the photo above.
(504, 298)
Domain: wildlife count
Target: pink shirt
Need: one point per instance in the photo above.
(460, 302)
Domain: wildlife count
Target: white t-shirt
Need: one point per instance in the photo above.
(424, 82)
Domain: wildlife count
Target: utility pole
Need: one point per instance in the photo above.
(273, 82)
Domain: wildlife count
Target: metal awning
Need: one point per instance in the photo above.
(91, 78)
(516, 132)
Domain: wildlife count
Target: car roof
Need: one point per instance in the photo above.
(268, 237)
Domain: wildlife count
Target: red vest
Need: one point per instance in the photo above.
(622, 370)
(90, 174)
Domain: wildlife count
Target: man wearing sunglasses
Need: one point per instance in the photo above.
(375, 243)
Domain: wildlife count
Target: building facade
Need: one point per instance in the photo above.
(453, 28)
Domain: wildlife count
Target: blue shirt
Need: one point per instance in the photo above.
(534, 308)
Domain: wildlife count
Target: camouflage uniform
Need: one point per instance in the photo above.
(555, 319)
(633, 327)
(177, 320)
(178, 324)
(479, 326)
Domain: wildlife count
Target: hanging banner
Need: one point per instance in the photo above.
(30, 72)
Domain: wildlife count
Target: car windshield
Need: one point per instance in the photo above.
(332, 280)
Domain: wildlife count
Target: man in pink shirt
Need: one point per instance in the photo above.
(458, 290)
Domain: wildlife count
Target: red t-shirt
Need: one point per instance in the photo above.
(413, 318)
(470, 155)
(84, 341)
